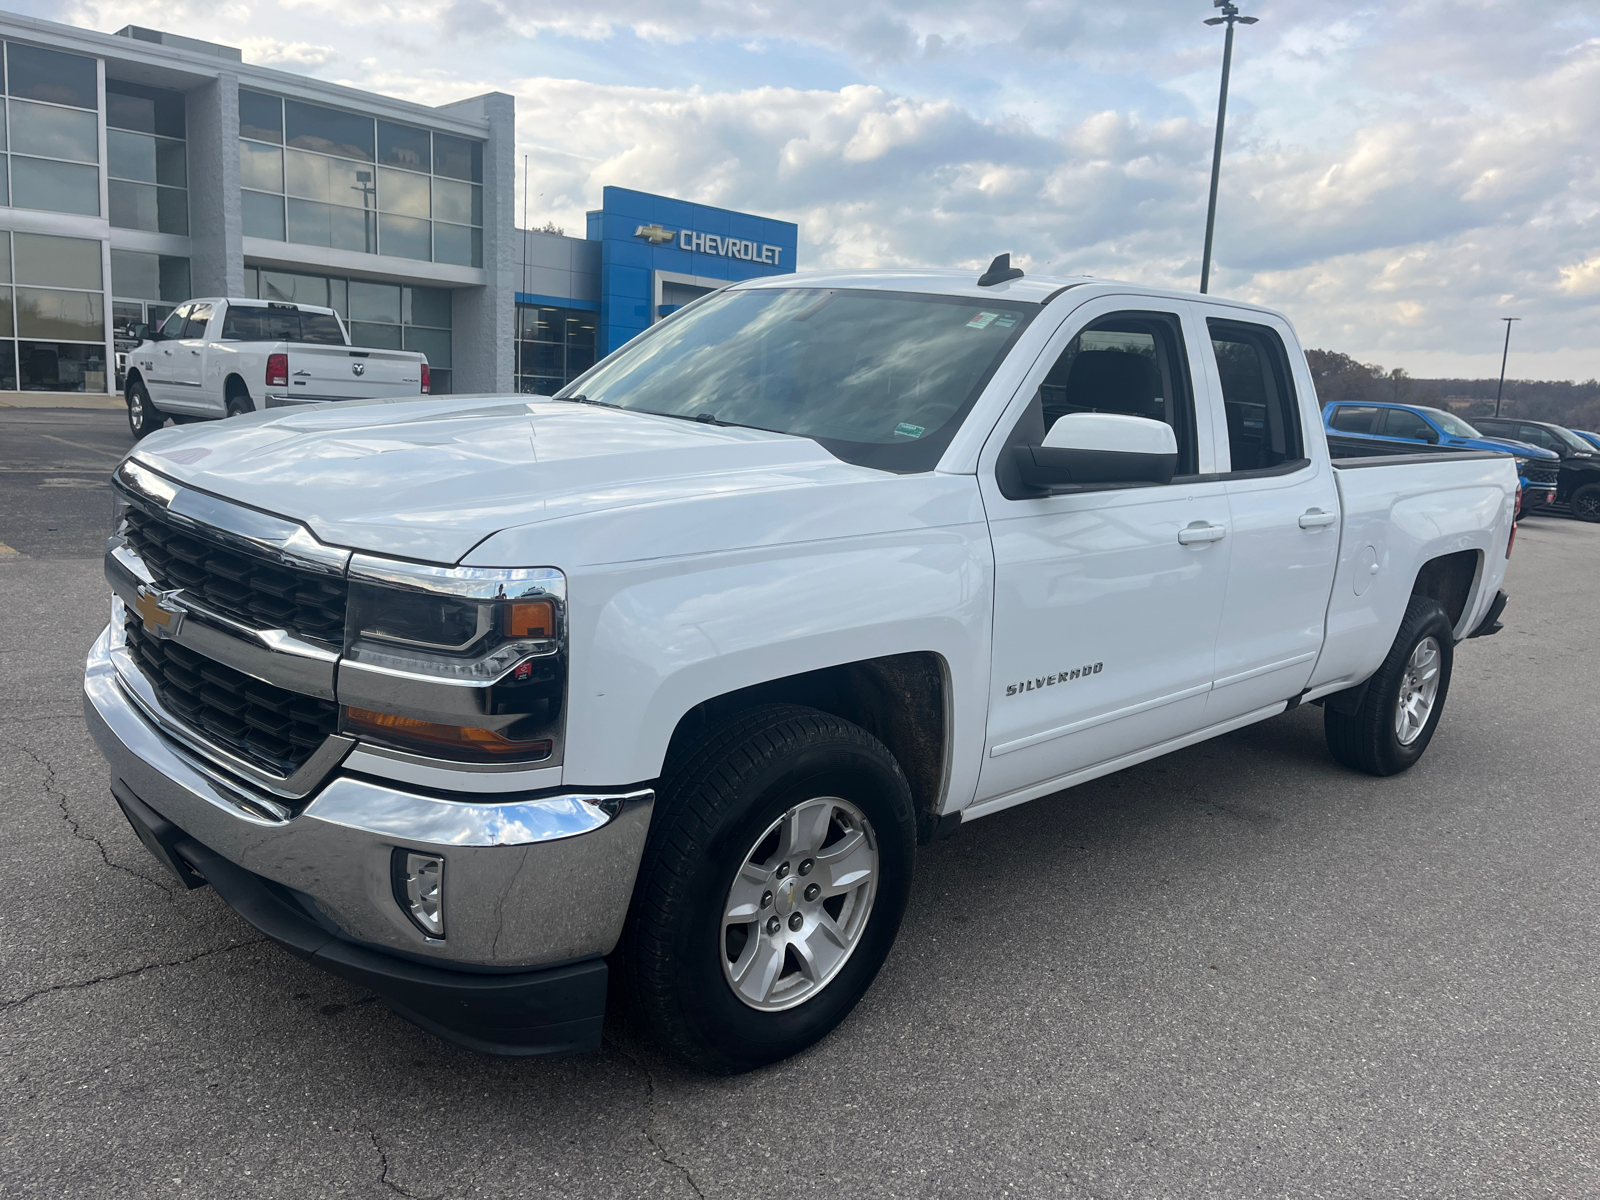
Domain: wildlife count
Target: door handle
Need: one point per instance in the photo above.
(1200, 532)
(194, 352)
(1315, 518)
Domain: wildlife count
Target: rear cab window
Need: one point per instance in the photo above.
(272, 323)
(1258, 398)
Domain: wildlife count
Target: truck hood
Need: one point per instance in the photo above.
(429, 479)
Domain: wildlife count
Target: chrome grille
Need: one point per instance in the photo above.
(247, 587)
(271, 726)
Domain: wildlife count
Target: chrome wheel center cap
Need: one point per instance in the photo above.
(785, 899)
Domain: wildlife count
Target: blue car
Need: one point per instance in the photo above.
(1538, 469)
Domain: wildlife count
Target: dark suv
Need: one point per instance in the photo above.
(1579, 482)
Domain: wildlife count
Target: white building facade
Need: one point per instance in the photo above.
(140, 169)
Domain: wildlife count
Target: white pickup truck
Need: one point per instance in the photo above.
(471, 701)
(216, 357)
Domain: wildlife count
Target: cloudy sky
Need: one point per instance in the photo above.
(1398, 176)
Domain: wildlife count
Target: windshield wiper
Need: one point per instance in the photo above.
(582, 399)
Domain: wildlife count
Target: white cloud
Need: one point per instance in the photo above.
(1397, 177)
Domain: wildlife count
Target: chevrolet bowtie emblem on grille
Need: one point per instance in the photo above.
(654, 234)
(160, 612)
(358, 368)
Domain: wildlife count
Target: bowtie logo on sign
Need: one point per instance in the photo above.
(711, 243)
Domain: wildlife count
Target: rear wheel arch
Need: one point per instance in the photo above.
(1452, 580)
(903, 700)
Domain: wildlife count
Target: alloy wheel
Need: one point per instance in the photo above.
(799, 904)
(1419, 688)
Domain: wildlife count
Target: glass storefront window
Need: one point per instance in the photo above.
(327, 130)
(57, 261)
(263, 216)
(49, 156)
(52, 132)
(554, 346)
(146, 159)
(61, 367)
(323, 163)
(72, 316)
(51, 75)
(260, 117)
(404, 193)
(403, 146)
(260, 167)
(55, 186)
(404, 237)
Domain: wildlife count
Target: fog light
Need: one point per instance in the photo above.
(419, 889)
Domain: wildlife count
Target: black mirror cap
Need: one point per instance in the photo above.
(999, 271)
(1049, 469)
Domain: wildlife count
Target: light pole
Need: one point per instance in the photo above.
(1230, 15)
(1503, 356)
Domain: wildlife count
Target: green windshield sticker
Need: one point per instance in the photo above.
(981, 321)
(905, 429)
(1005, 322)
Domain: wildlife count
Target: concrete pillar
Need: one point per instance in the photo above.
(484, 317)
(216, 230)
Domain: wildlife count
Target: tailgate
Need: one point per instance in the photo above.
(357, 373)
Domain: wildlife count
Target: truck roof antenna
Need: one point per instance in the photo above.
(999, 271)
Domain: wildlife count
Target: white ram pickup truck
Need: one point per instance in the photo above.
(216, 357)
(471, 701)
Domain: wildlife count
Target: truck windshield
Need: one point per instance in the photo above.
(878, 378)
(1452, 425)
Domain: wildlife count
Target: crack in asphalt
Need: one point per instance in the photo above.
(7, 1005)
(383, 1177)
(650, 1105)
(60, 797)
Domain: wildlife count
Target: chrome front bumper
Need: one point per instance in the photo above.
(530, 879)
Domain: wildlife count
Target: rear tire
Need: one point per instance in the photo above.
(734, 815)
(240, 403)
(143, 417)
(1586, 503)
(1404, 700)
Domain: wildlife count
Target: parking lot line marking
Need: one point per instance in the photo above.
(7, 551)
(78, 446)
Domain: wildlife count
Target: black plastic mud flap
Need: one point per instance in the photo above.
(1490, 624)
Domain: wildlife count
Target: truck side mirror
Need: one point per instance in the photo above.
(1087, 450)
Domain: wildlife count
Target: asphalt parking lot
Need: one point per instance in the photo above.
(1240, 970)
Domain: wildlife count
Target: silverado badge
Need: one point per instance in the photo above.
(160, 612)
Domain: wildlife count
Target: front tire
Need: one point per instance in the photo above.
(1586, 503)
(772, 886)
(143, 416)
(1404, 699)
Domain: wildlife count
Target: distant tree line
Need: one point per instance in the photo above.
(1340, 377)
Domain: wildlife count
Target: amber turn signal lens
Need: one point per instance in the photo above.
(408, 733)
(531, 618)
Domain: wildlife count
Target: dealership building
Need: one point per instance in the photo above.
(141, 168)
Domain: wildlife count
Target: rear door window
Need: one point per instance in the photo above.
(1538, 435)
(1257, 395)
(1355, 418)
(1398, 423)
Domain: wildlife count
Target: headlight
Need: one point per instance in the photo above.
(456, 662)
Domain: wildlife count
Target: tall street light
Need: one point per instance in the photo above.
(1503, 355)
(1230, 15)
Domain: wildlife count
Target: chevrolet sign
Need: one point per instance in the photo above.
(710, 243)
